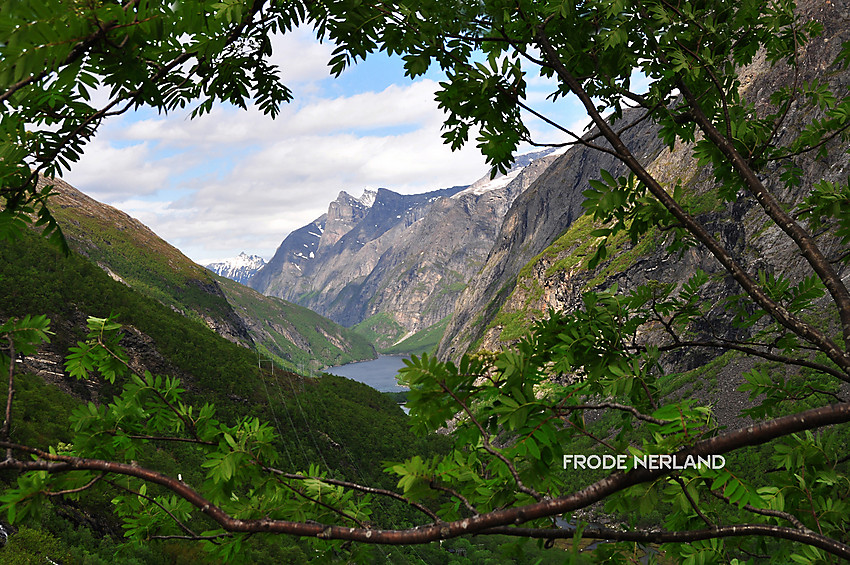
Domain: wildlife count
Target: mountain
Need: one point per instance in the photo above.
(540, 259)
(239, 269)
(345, 426)
(135, 256)
(392, 265)
(534, 222)
(293, 335)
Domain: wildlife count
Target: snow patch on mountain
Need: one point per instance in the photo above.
(368, 197)
(239, 269)
(486, 184)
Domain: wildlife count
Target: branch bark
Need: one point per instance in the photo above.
(7, 423)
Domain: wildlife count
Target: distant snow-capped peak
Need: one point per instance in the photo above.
(239, 269)
(486, 184)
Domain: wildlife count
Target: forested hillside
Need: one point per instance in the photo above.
(345, 427)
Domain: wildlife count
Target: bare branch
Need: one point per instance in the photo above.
(86, 486)
(777, 311)
(7, 423)
(725, 344)
(171, 438)
(693, 503)
(617, 406)
(318, 502)
(766, 512)
(434, 485)
(171, 515)
(485, 442)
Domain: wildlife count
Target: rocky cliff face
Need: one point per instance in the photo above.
(407, 256)
(537, 217)
(540, 257)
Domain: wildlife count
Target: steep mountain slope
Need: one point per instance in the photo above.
(134, 255)
(537, 217)
(239, 269)
(396, 267)
(540, 259)
(292, 334)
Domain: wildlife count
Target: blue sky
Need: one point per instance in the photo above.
(235, 180)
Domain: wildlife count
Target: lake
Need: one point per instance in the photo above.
(379, 373)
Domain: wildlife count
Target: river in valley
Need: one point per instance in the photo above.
(379, 373)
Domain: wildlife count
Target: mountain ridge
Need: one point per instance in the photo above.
(131, 253)
(396, 267)
(240, 268)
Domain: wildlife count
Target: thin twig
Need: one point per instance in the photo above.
(485, 438)
(7, 423)
(86, 486)
(355, 486)
(177, 521)
(435, 486)
(765, 512)
(693, 502)
(170, 438)
(617, 406)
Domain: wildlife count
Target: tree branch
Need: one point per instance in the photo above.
(171, 515)
(485, 437)
(777, 311)
(693, 502)
(829, 545)
(355, 486)
(86, 486)
(755, 434)
(766, 512)
(7, 423)
(616, 406)
(804, 241)
(723, 344)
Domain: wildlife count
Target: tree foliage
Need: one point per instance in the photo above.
(515, 413)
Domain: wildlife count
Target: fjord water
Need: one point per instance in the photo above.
(379, 373)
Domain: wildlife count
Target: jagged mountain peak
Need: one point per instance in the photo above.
(405, 257)
(240, 268)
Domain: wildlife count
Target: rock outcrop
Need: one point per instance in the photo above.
(540, 258)
(406, 256)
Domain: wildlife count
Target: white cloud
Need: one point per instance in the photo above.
(236, 180)
(301, 58)
(106, 172)
(246, 181)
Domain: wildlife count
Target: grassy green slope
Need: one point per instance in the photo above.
(291, 334)
(338, 423)
(424, 341)
(380, 329)
(137, 256)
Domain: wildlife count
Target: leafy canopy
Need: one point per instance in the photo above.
(513, 414)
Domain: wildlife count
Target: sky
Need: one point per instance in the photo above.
(236, 180)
